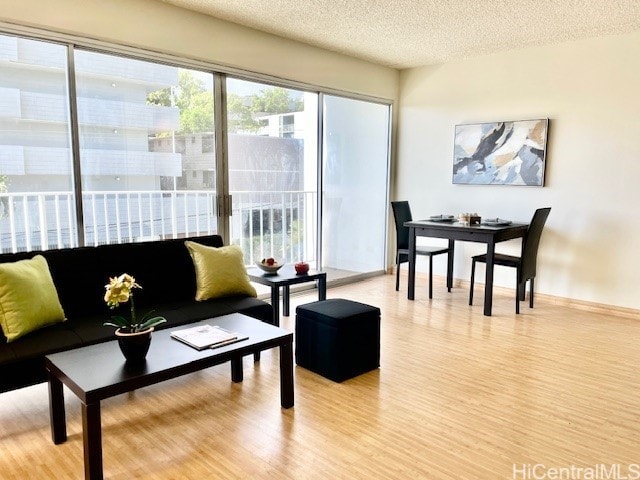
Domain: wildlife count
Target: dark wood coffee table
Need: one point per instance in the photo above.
(286, 277)
(98, 372)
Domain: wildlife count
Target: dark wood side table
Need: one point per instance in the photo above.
(286, 277)
(97, 372)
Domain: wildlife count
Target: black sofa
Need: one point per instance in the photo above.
(163, 268)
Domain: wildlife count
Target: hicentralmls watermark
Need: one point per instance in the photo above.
(599, 471)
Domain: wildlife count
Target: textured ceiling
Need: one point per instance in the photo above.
(411, 33)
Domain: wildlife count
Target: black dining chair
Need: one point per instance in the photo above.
(402, 214)
(525, 264)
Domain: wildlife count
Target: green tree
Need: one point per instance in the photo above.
(192, 99)
(272, 101)
(243, 112)
(160, 97)
(196, 105)
(239, 115)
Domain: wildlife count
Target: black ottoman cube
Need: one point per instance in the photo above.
(337, 338)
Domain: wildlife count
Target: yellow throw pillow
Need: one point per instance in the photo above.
(28, 297)
(220, 272)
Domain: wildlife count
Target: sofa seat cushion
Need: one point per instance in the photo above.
(180, 313)
(7, 355)
(251, 307)
(45, 341)
(81, 331)
(90, 329)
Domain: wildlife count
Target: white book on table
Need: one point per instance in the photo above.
(206, 336)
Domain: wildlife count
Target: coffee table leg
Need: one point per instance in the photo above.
(286, 375)
(237, 374)
(57, 415)
(92, 441)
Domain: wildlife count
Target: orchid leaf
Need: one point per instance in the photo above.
(109, 324)
(118, 321)
(147, 315)
(152, 322)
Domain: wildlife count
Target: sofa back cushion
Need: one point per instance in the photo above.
(163, 268)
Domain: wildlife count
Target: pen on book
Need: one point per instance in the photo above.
(222, 344)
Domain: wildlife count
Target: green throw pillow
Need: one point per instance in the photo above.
(28, 297)
(220, 272)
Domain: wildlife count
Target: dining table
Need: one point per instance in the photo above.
(461, 231)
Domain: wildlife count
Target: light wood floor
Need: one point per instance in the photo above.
(458, 396)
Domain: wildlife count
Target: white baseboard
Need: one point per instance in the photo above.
(543, 297)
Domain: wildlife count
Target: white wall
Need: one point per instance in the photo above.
(590, 91)
(164, 28)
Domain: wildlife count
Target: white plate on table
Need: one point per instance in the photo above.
(497, 222)
(442, 218)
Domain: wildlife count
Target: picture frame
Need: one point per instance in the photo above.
(501, 153)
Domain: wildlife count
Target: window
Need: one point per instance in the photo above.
(130, 127)
(37, 202)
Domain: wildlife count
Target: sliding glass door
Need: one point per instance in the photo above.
(272, 145)
(273, 167)
(355, 182)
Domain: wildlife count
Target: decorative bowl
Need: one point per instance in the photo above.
(271, 269)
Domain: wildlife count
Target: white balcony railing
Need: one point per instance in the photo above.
(280, 224)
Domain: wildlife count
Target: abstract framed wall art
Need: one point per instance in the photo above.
(500, 153)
